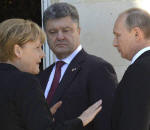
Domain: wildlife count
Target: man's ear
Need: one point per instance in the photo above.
(18, 51)
(138, 33)
(79, 30)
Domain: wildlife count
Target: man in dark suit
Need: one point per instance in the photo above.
(84, 78)
(131, 108)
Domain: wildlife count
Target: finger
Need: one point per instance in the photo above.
(54, 108)
(96, 104)
(53, 119)
(99, 103)
(57, 105)
(94, 107)
(97, 111)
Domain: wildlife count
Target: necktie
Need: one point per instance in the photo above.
(56, 79)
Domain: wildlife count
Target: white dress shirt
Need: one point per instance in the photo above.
(67, 61)
(139, 54)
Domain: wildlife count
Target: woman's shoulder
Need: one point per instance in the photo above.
(26, 80)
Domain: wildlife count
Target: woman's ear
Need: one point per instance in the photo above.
(18, 51)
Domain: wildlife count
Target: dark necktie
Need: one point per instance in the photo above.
(55, 82)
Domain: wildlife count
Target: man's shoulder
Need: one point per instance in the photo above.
(93, 59)
(89, 57)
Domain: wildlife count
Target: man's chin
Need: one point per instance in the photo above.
(62, 54)
(125, 57)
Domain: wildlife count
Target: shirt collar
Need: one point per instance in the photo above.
(139, 54)
(71, 56)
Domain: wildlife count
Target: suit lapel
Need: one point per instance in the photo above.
(70, 74)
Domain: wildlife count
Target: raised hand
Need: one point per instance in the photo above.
(89, 114)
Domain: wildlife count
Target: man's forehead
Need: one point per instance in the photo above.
(115, 28)
(61, 21)
(119, 23)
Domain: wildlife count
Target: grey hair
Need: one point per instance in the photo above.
(136, 17)
(60, 10)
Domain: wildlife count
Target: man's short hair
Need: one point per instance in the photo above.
(137, 17)
(60, 10)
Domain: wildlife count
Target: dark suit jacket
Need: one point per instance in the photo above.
(87, 79)
(22, 104)
(131, 109)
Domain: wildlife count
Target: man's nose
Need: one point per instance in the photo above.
(115, 43)
(60, 35)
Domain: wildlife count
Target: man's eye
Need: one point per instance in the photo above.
(67, 30)
(52, 32)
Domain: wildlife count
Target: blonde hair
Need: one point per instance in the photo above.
(17, 31)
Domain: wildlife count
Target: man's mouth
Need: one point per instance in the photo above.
(61, 44)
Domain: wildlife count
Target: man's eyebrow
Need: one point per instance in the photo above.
(67, 27)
